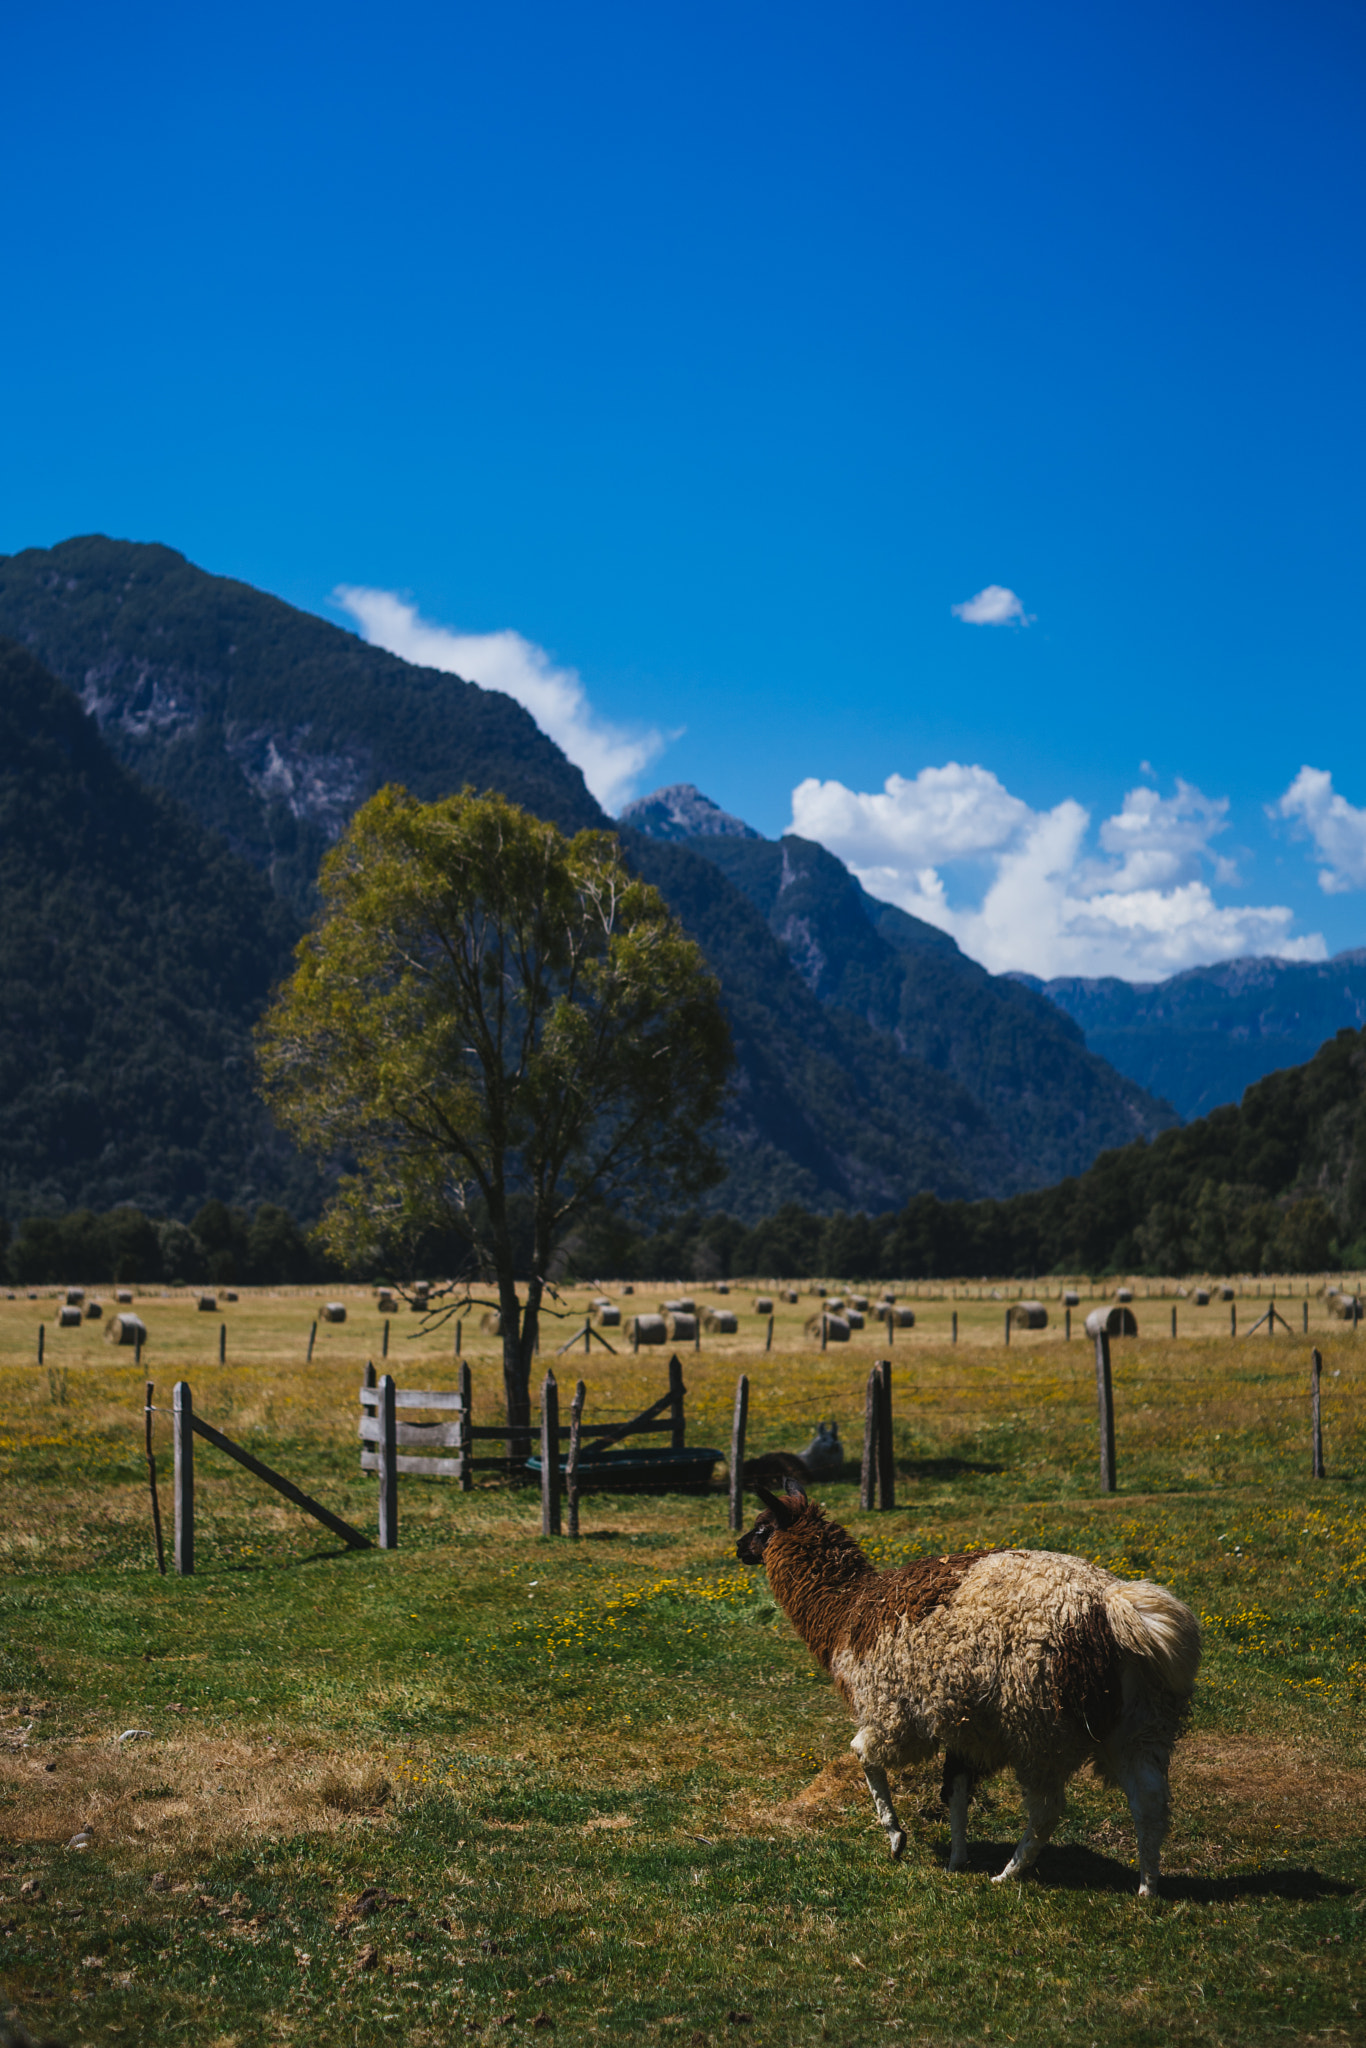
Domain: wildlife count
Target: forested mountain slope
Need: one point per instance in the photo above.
(1204, 1036)
(1048, 1103)
(135, 952)
(270, 724)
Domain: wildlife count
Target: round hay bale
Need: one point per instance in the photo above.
(895, 1318)
(1344, 1306)
(789, 1295)
(69, 1317)
(1228, 1294)
(649, 1329)
(334, 1311)
(834, 1305)
(1115, 1321)
(887, 1295)
(491, 1323)
(208, 1304)
(1029, 1315)
(681, 1326)
(854, 1318)
(1201, 1297)
(836, 1328)
(723, 1287)
(817, 1292)
(860, 1302)
(1071, 1299)
(123, 1294)
(93, 1311)
(1124, 1294)
(75, 1296)
(125, 1329)
(721, 1322)
(763, 1304)
(231, 1294)
(684, 1306)
(387, 1303)
(608, 1316)
(628, 1288)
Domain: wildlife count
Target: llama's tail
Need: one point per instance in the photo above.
(1153, 1624)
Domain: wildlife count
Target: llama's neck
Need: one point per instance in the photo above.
(813, 1568)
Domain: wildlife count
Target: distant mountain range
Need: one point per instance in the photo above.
(1204, 1036)
(874, 1060)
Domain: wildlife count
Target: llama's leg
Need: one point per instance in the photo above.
(1044, 1808)
(955, 1793)
(881, 1791)
(1144, 1779)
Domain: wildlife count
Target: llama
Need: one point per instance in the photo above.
(823, 1456)
(1026, 1659)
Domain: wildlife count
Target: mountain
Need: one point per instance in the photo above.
(135, 953)
(269, 724)
(1043, 1105)
(682, 812)
(1204, 1036)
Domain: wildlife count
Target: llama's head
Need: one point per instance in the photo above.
(780, 1512)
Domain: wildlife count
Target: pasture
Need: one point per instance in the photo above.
(597, 1790)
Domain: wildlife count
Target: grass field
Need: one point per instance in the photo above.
(600, 1788)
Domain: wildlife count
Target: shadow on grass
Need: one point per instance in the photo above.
(1073, 1868)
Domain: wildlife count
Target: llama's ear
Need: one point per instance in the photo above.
(772, 1503)
(796, 1491)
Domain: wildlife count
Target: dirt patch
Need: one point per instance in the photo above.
(1263, 1785)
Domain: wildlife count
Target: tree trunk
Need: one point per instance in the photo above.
(516, 1385)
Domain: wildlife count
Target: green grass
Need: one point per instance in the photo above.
(602, 1781)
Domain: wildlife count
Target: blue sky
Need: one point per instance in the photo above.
(686, 366)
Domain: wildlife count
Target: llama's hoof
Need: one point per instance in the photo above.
(1147, 1888)
(1012, 1869)
(896, 1842)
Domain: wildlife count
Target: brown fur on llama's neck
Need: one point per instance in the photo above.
(816, 1569)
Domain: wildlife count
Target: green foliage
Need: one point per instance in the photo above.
(225, 1246)
(135, 952)
(1276, 1184)
(505, 1027)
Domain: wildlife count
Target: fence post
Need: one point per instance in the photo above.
(222, 1343)
(571, 1463)
(550, 1456)
(41, 1328)
(1306, 1315)
(737, 1453)
(1007, 1326)
(872, 1406)
(1067, 1326)
(954, 1338)
(678, 1436)
(152, 1479)
(886, 1474)
(824, 1329)
(466, 1427)
(1173, 1319)
(182, 1439)
(1233, 1319)
(384, 1348)
(1105, 1401)
(1315, 1373)
(388, 1464)
(768, 1341)
(371, 1380)
(312, 1338)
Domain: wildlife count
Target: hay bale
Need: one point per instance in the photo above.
(1345, 1307)
(1116, 1321)
(887, 1295)
(723, 1287)
(93, 1311)
(491, 1323)
(1029, 1315)
(894, 1317)
(681, 1327)
(649, 1329)
(721, 1322)
(836, 1328)
(231, 1294)
(1071, 1299)
(854, 1318)
(818, 1293)
(334, 1311)
(75, 1296)
(208, 1304)
(834, 1305)
(387, 1303)
(69, 1317)
(860, 1302)
(1124, 1294)
(1201, 1297)
(763, 1304)
(608, 1316)
(1228, 1294)
(123, 1294)
(789, 1295)
(684, 1306)
(125, 1329)
(628, 1288)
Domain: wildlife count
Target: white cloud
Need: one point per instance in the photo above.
(994, 606)
(1336, 827)
(611, 759)
(1026, 893)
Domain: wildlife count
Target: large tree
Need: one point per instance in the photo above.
(505, 1029)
